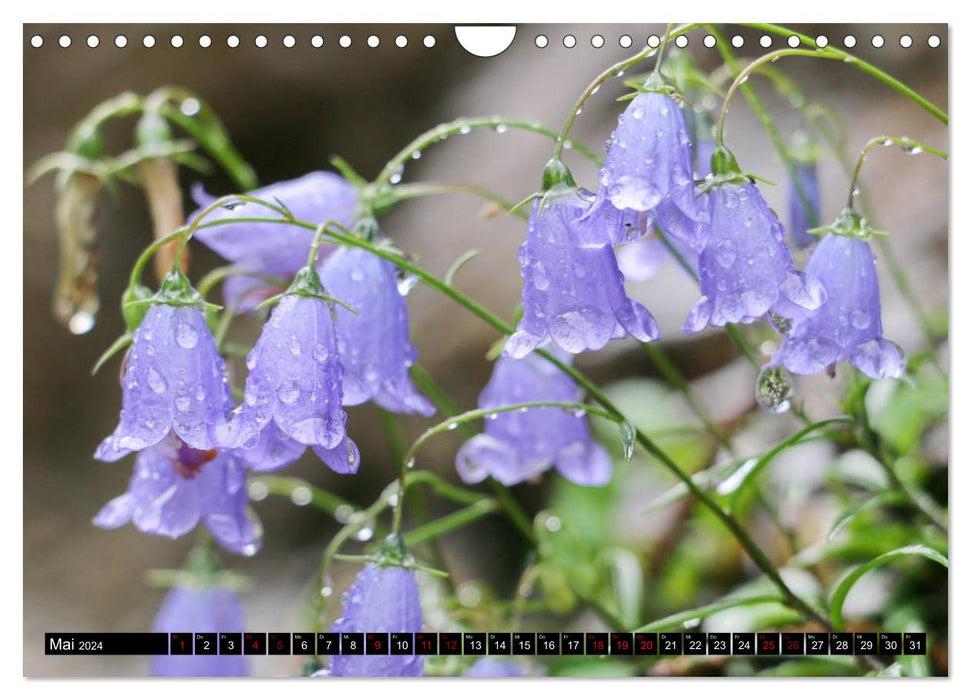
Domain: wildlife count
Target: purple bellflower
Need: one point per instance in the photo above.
(573, 291)
(270, 248)
(802, 219)
(293, 391)
(382, 599)
(174, 486)
(649, 159)
(745, 268)
(847, 326)
(208, 610)
(173, 381)
(519, 445)
(375, 349)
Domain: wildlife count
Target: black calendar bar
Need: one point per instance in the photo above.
(491, 643)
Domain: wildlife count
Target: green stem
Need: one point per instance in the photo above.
(860, 64)
(908, 144)
(452, 521)
(746, 72)
(423, 189)
(442, 487)
(319, 498)
(463, 126)
(615, 69)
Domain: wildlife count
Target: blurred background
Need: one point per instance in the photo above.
(288, 110)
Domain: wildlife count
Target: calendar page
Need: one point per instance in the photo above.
(519, 350)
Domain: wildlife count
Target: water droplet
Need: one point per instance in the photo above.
(288, 392)
(773, 388)
(781, 324)
(364, 534)
(343, 513)
(860, 319)
(501, 128)
(301, 496)
(357, 274)
(294, 345)
(492, 416)
(856, 191)
(186, 336)
(200, 393)
(410, 464)
(416, 155)
(156, 382)
(912, 149)
(553, 524)
(726, 253)
(327, 590)
(258, 490)
(465, 129)
(578, 411)
(320, 353)
(395, 177)
(81, 322)
(406, 281)
(183, 403)
(451, 426)
(628, 436)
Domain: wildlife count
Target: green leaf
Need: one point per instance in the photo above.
(881, 499)
(673, 622)
(467, 256)
(121, 343)
(849, 579)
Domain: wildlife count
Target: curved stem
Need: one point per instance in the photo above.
(860, 64)
(464, 126)
(909, 145)
(746, 72)
(286, 486)
(615, 69)
(424, 189)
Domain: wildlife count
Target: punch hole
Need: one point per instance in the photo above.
(877, 41)
(121, 41)
(765, 41)
(486, 42)
(569, 41)
(821, 41)
(654, 41)
(401, 41)
(542, 42)
(625, 41)
(205, 41)
(738, 42)
(597, 41)
(906, 42)
(344, 41)
(316, 41)
(373, 41)
(849, 41)
(681, 42)
(176, 42)
(428, 41)
(93, 42)
(289, 42)
(148, 41)
(232, 41)
(933, 41)
(260, 41)
(64, 41)
(793, 41)
(709, 41)
(37, 41)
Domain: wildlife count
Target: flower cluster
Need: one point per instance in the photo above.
(313, 358)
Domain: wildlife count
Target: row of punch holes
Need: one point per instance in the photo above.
(428, 41)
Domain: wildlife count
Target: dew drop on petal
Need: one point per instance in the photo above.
(156, 382)
(288, 392)
(186, 336)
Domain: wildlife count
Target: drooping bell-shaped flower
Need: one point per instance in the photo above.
(848, 325)
(374, 343)
(382, 599)
(187, 609)
(649, 160)
(745, 268)
(294, 385)
(173, 379)
(271, 248)
(803, 204)
(573, 291)
(174, 486)
(521, 444)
